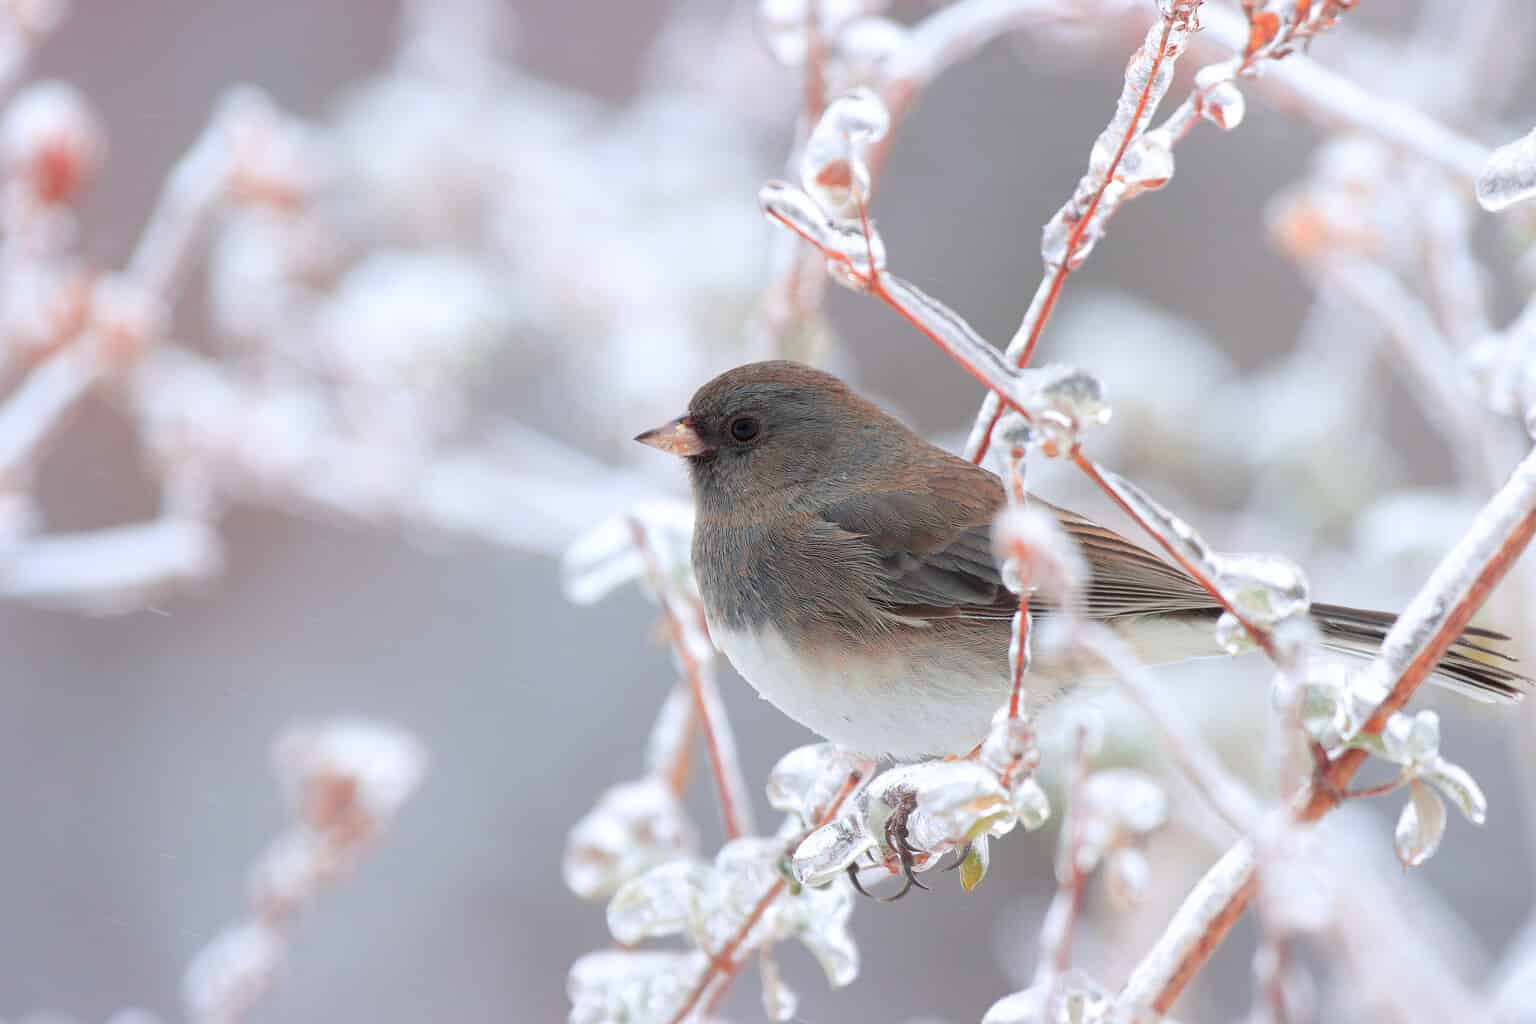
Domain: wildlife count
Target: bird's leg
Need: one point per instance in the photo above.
(896, 839)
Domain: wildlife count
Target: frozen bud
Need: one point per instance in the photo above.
(53, 141)
(1509, 176)
(1264, 589)
(634, 827)
(1046, 561)
(348, 775)
(1420, 827)
(1126, 874)
(614, 986)
(1010, 744)
(1221, 101)
(663, 901)
(125, 319)
(807, 779)
(973, 868)
(1147, 164)
(232, 972)
(833, 170)
(608, 556)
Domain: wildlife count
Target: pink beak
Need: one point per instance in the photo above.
(675, 438)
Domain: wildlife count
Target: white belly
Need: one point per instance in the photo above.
(909, 706)
(900, 706)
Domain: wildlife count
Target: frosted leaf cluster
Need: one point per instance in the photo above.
(634, 827)
(632, 986)
(712, 904)
(1413, 743)
(1116, 811)
(909, 816)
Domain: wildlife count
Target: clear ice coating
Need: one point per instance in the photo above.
(1063, 403)
(606, 557)
(852, 255)
(1070, 998)
(632, 986)
(1147, 164)
(1038, 556)
(786, 24)
(634, 827)
(807, 779)
(711, 903)
(1509, 176)
(1221, 101)
(1264, 589)
(1072, 232)
(833, 170)
(1118, 808)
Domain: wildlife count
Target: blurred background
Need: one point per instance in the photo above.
(479, 243)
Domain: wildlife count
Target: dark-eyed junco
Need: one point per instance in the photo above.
(847, 571)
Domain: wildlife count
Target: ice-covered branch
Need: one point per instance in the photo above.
(1420, 637)
(345, 782)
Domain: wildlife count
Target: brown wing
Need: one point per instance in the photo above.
(934, 548)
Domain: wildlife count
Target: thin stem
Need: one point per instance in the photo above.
(719, 742)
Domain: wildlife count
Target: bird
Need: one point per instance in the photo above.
(846, 570)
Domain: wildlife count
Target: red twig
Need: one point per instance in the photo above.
(734, 809)
(1056, 277)
(724, 965)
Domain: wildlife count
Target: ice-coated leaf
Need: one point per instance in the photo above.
(634, 827)
(663, 901)
(1420, 827)
(1031, 806)
(827, 852)
(978, 857)
(807, 779)
(1509, 176)
(1460, 788)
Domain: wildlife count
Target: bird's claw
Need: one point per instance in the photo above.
(896, 839)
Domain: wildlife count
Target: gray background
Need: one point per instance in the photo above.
(134, 750)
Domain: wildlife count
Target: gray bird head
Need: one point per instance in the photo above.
(776, 428)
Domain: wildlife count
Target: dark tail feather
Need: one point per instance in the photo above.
(1474, 666)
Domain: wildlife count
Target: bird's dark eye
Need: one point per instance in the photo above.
(744, 428)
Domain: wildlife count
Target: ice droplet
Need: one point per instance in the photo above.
(1509, 176)
(1265, 589)
(1031, 806)
(1420, 827)
(1232, 636)
(1010, 743)
(1064, 402)
(1147, 164)
(1223, 105)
